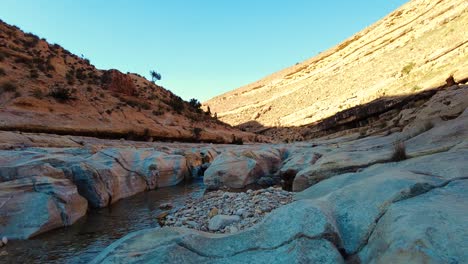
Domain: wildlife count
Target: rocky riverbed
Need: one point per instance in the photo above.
(227, 212)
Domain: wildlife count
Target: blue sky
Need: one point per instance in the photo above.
(201, 48)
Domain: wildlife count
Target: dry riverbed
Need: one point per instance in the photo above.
(226, 212)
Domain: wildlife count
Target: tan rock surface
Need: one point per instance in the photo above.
(92, 102)
(414, 48)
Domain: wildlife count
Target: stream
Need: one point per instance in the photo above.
(83, 241)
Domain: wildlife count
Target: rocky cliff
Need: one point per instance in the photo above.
(422, 45)
(45, 88)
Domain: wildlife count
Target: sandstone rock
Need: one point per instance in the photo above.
(237, 170)
(430, 228)
(218, 222)
(359, 199)
(116, 81)
(308, 237)
(213, 212)
(113, 173)
(31, 206)
(166, 206)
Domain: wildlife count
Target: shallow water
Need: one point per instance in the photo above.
(82, 242)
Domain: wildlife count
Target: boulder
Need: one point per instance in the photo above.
(237, 169)
(221, 221)
(34, 205)
(113, 174)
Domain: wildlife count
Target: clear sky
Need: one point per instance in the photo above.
(202, 48)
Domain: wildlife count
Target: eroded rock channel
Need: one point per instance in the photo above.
(353, 201)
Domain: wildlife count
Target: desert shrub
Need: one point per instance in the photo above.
(416, 88)
(17, 94)
(177, 104)
(2, 56)
(197, 132)
(158, 112)
(428, 125)
(108, 111)
(33, 73)
(237, 141)
(399, 151)
(194, 103)
(61, 94)
(8, 87)
(37, 93)
(2, 72)
(89, 89)
(32, 42)
(145, 105)
(80, 74)
(70, 76)
(408, 68)
(106, 78)
(136, 103)
(25, 61)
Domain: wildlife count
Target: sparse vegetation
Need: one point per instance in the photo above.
(197, 132)
(158, 112)
(399, 151)
(34, 74)
(135, 103)
(416, 88)
(8, 87)
(2, 72)
(237, 141)
(2, 56)
(408, 68)
(194, 103)
(428, 125)
(61, 94)
(80, 74)
(177, 104)
(37, 93)
(70, 76)
(155, 76)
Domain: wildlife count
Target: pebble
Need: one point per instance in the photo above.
(165, 206)
(248, 208)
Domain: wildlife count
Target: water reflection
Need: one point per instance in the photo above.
(81, 242)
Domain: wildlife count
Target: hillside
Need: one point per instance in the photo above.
(414, 49)
(45, 88)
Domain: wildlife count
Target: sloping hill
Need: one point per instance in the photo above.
(45, 88)
(415, 48)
